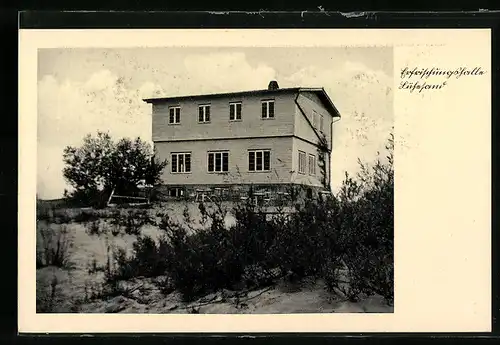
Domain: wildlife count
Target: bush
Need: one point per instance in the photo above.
(131, 221)
(203, 261)
(93, 227)
(346, 240)
(53, 247)
(86, 216)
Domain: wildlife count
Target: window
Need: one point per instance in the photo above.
(315, 119)
(235, 111)
(181, 162)
(218, 161)
(259, 160)
(204, 113)
(268, 109)
(174, 115)
(312, 164)
(302, 162)
(321, 123)
(176, 192)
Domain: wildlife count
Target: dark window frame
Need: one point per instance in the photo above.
(304, 166)
(204, 113)
(235, 111)
(311, 167)
(175, 165)
(174, 118)
(265, 160)
(266, 113)
(218, 162)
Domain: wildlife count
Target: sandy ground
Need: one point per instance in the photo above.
(76, 283)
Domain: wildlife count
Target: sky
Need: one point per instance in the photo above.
(81, 91)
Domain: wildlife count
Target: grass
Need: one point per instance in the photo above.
(241, 254)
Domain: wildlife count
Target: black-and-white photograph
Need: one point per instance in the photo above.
(206, 180)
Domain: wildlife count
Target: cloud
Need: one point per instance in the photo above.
(220, 72)
(364, 99)
(68, 110)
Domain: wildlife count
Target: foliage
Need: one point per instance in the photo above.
(131, 221)
(322, 163)
(53, 246)
(101, 165)
(347, 240)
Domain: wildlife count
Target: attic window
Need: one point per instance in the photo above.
(315, 119)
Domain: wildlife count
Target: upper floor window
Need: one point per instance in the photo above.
(181, 162)
(315, 116)
(259, 160)
(235, 111)
(302, 162)
(204, 113)
(312, 164)
(268, 109)
(174, 115)
(218, 161)
(321, 123)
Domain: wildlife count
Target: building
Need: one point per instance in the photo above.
(224, 143)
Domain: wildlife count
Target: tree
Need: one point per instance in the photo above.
(101, 165)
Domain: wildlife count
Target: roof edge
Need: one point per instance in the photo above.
(321, 90)
(222, 94)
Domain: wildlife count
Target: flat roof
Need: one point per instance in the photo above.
(319, 91)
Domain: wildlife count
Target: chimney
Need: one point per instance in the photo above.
(273, 85)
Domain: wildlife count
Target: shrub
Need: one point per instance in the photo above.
(93, 227)
(148, 259)
(53, 247)
(202, 261)
(347, 240)
(86, 216)
(131, 221)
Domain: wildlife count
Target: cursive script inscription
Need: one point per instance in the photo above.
(420, 79)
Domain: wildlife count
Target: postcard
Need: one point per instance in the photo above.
(326, 180)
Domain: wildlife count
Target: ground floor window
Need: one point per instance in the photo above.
(176, 192)
(259, 160)
(312, 164)
(218, 161)
(302, 162)
(181, 162)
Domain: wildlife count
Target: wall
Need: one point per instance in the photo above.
(220, 127)
(309, 102)
(281, 161)
(300, 145)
